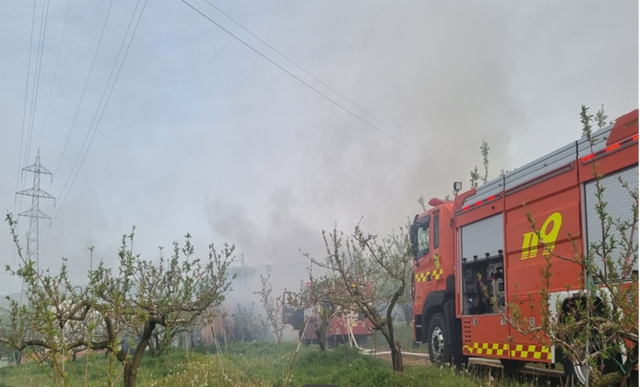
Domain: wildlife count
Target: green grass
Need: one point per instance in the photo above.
(403, 333)
(261, 364)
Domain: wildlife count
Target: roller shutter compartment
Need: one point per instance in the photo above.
(483, 236)
(619, 204)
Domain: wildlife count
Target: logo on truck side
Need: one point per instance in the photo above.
(548, 233)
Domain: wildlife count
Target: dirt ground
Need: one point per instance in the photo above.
(408, 359)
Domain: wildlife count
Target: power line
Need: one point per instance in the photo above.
(303, 82)
(82, 98)
(104, 25)
(24, 118)
(34, 95)
(55, 74)
(26, 97)
(308, 73)
(6, 288)
(46, 115)
(124, 57)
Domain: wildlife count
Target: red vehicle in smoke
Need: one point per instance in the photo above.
(341, 327)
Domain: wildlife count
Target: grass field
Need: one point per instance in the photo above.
(403, 334)
(260, 364)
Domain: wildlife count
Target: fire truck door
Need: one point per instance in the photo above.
(424, 257)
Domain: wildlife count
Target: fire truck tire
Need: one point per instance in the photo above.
(305, 342)
(512, 365)
(438, 339)
(578, 372)
(361, 339)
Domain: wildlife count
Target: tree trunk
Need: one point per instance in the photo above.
(394, 345)
(278, 334)
(129, 381)
(396, 357)
(321, 334)
(159, 345)
(408, 314)
(160, 350)
(131, 365)
(165, 342)
(152, 349)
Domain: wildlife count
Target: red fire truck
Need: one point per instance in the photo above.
(478, 252)
(342, 324)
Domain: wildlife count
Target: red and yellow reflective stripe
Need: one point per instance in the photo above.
(516, 351)
(530, 351)
(487, 349)
(429, 275)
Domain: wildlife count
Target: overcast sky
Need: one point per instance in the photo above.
(227, 139)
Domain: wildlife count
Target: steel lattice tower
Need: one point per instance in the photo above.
(34, 212)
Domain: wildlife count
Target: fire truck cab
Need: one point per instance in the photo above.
(479, 252)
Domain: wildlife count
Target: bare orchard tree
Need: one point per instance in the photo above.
(360, 267)
(474, 173)
(600, 119)
(49, 325)
(138, 297)
(405, 301)
(242, 320)
(314, 306)
(272, 308)
(324, 309)
(172, 294)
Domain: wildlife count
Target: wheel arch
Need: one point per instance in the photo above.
(434, 303)
(443, 301)
(567, 304)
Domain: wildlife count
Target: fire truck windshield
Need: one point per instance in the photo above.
(423, 240)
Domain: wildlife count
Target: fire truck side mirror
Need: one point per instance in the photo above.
(413, 239)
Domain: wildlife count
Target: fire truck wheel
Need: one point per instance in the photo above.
(512, 365)
(438, 337)
(361, 339)
(579, 372)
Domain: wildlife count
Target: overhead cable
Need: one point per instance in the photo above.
(55, 74)
(303, 82)
(104, 106)
(86, 83)
(24, 113)
(308, 73)
(36, 84)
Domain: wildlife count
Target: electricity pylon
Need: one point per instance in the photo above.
(34, 212)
